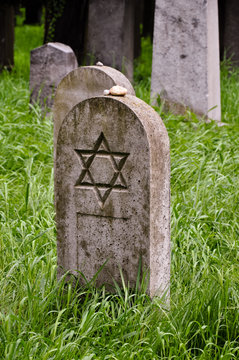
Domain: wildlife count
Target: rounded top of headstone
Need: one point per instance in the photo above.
(55, 45)
(150, 120)
(83, 83)
(60, 46)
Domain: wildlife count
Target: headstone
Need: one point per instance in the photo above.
(111, 34)
(112, 192)
(49, 64)
(185, 69)
(230, 29)
(83, 83)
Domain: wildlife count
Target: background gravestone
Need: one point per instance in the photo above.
(112, 191)
(110, 34)
(49, 64)
(229, 18)
(185, 68)
(83, 83)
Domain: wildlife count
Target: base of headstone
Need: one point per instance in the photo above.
(180, 109)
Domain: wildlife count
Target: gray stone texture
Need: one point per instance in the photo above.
(112, 192)
(81, 84)
(231, 30)
(49, 64)
(111, 34)
(185, 69)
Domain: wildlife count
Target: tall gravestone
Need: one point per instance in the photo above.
(110, 34)
(83, 83)
(185, 69)
(112, 191)
(49, 64)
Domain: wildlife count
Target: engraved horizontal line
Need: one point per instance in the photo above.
(102, 186)
(104, 216)
(102, 152)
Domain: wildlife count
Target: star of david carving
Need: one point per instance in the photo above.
(114, 162)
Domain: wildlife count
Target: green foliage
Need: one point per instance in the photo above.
(142, 71)
(41, 318)
(229, 93)
(27, 37)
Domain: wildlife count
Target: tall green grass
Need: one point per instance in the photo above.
(41, 318)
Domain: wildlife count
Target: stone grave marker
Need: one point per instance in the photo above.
(49, 64)
(112, 192)
(110, 34)
(185, 68)
(83, 83)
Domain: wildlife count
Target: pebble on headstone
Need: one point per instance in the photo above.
(112, 192)
(118, 91)
(83, 83)
(110, 34)
(49, 64)
(185, 68)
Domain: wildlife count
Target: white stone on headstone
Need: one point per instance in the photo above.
(49, 64)
(185, 69)
(112, 192)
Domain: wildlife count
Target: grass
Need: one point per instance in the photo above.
(41, 318)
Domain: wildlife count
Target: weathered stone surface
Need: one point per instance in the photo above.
(112, 191)
(185, 69)
(111, 34)
(83, 83)
(49, 64)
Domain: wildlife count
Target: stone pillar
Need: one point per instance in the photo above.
(49, 64)
(110, 35)
(112, 192)
(185, 69)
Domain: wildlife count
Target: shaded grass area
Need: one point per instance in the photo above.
(41, 318)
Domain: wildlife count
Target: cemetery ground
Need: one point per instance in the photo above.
(41, 318)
